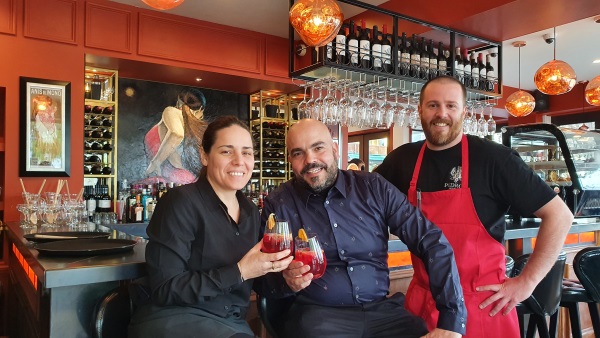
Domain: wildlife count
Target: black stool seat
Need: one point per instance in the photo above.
(586, 265)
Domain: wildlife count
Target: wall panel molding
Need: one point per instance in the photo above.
(277, 57)
(53, 20)
(199, 43)
(8, 17)
(108, 28)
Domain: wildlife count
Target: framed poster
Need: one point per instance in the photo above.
(45, 107)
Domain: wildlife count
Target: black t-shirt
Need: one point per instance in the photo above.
(498, 178)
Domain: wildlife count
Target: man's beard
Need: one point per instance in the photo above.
(314, 185)
(442, 139)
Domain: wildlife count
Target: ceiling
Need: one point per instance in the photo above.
(577, 34)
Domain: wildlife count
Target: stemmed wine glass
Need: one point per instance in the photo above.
(481, 123)
(344, 103)
(358, 105)
(318, 106)
(277, 237)
(330, 103)
(491, 123)
(302, 105)
(310, 253)
(400, 110)
(412, 112)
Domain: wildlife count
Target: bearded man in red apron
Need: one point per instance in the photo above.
(465, 185)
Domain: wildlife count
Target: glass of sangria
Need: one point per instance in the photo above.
(310, 252)
(277, 237)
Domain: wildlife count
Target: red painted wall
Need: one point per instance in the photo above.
(49, 39)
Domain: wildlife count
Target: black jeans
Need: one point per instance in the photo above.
(384, 318)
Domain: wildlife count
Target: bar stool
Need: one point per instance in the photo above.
(543, 301)
(587, 268)
(112, 314)
(510, 265)
(271, 311)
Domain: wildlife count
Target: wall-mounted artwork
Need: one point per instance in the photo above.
(45, 127)
(161, 128)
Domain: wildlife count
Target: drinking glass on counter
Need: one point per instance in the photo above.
(277, 237)
(310, 253)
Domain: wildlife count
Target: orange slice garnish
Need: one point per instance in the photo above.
(271, 221)
(302, 235)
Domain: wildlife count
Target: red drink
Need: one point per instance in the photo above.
(317, 263)
(273, 242)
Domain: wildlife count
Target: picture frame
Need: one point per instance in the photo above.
(45, 112)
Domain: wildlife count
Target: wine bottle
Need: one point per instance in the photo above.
(103, 200)
(490, 75)
(433, 61)
(424, 70)
(459, 66)
(442, 59)
(340, 45)
(364, 43)
(376, 43)
(474, 71)
(386, 51)
(482, 71)
(466, 68)
(404, 56)
(96, 88)
(129, 204)
(90, 202)
(352, 48)
(415, 57)
(137, 211)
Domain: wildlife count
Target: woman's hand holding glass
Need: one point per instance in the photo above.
(256, 263)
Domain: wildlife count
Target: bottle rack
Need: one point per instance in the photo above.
(100, 128)
(326, 61)
(269, 115)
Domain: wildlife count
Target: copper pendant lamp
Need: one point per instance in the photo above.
(592, 91)
(519, 103)
(316, 21)
(555, 77)
(163, 4)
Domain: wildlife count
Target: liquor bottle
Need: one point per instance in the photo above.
(376, 43)
(386, 51)
(162, 189)
(415, 57)
(490, 75)
(424, 71)
(474, 71)
(364, 43)
(433, 61)
(340, 45)
(129, 204)
(352, 39)
(482, 71)
(466, 68)
(90, 202)
(144, 201)
(137, 211)
(96, 88)
(442, 59)
(458, 66)
(404, 56)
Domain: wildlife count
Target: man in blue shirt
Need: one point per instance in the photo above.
(352, 213)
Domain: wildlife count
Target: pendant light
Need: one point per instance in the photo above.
(316, 21)
(520, 103)
(592, 91)
(555, 77)
(163, 4)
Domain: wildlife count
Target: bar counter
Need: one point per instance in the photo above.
(56, 296)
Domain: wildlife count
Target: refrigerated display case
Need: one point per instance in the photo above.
(568, 160)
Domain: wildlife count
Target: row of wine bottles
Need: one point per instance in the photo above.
(417, 57)
(97, 121)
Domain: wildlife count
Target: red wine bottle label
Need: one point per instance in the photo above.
(353, 49)
(340, 44)
(442, 65)
(386, 51)
(365, 48)
(377, 55)
(104, 204)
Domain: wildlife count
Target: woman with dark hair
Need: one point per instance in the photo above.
(202, 253)
(358, 164)
(173, 143)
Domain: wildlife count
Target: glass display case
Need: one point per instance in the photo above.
(568, 160)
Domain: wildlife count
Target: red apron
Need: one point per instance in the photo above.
(479, 257)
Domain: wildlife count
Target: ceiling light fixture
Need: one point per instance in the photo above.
(316, 21)
(592, 91)
(520, 103)
(163, 4)
(555, 77)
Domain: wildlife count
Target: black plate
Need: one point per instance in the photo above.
(84, 247)
(43, 237)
